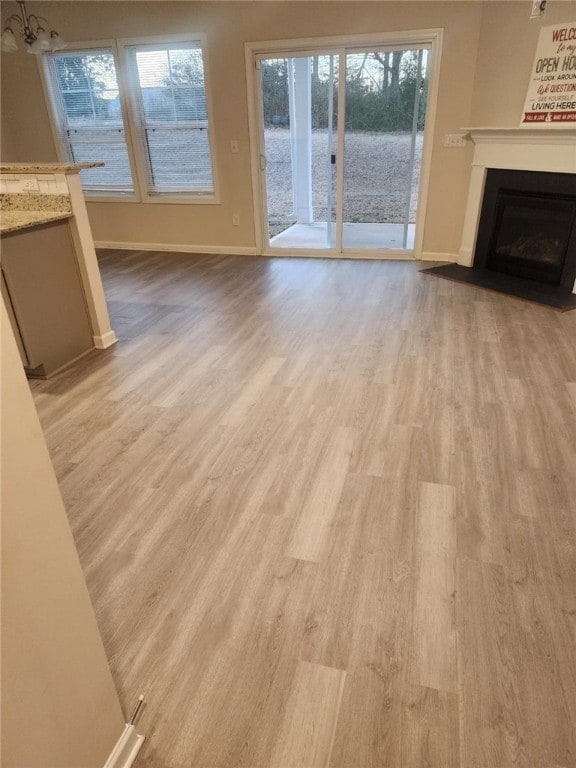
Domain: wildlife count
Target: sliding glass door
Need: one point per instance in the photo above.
(341, 148)
(299, 109)
(385, 114)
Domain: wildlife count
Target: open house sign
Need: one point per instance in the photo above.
(551, 97)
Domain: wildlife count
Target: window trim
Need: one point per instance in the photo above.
(180, 197)
(129, 111)
(56, 125)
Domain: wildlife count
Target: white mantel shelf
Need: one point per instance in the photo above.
(565, 135)
(549, 150)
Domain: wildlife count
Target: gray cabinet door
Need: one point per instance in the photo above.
(41, 273)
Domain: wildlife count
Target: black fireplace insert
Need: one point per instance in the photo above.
(528, 226)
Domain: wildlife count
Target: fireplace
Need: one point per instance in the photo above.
(527, 226)
(537, 212)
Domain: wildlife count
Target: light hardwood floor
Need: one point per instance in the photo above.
(326, 513)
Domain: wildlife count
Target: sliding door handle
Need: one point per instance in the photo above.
(263, 162)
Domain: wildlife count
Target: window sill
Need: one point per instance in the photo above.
(162, 199)
(95, 197)
(182, 200)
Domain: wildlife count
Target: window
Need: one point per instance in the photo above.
(85, 95)
(144, 114)
(169, 100)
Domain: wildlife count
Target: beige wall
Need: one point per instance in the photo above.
(59, 704)
(508, 41)
(228, 26)
(487, 57)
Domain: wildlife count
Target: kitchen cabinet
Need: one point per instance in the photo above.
(47, 303)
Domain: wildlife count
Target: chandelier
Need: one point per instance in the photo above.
(33, 33)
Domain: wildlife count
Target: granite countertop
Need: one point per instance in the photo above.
(20, 211)
(12, 220)
(46, 167)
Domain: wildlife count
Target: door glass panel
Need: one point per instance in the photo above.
(384, 124)
(275, 76)
(299, 97)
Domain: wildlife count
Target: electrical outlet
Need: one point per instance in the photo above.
(538, 8)
(455, 140)
(30, 185)
(234, 146)
(236, 219)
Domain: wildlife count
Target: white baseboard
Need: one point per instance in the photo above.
(434, 256)
(244, 250)
(317, 253)
(225, 250)
(106, 340)
(126, 749)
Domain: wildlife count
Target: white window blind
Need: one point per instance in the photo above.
(168, 95)
(85, 97)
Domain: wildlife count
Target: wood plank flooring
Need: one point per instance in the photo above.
(326, 513)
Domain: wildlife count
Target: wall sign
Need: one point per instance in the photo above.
(551, 97)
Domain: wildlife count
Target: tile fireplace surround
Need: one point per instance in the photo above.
(521, 149)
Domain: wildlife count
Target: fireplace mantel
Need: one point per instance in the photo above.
(538, 136)
(524, 149)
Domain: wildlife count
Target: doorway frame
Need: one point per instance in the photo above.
(254, 51)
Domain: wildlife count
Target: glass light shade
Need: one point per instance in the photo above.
(8, 41)
(56, 42)
(42, 42)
